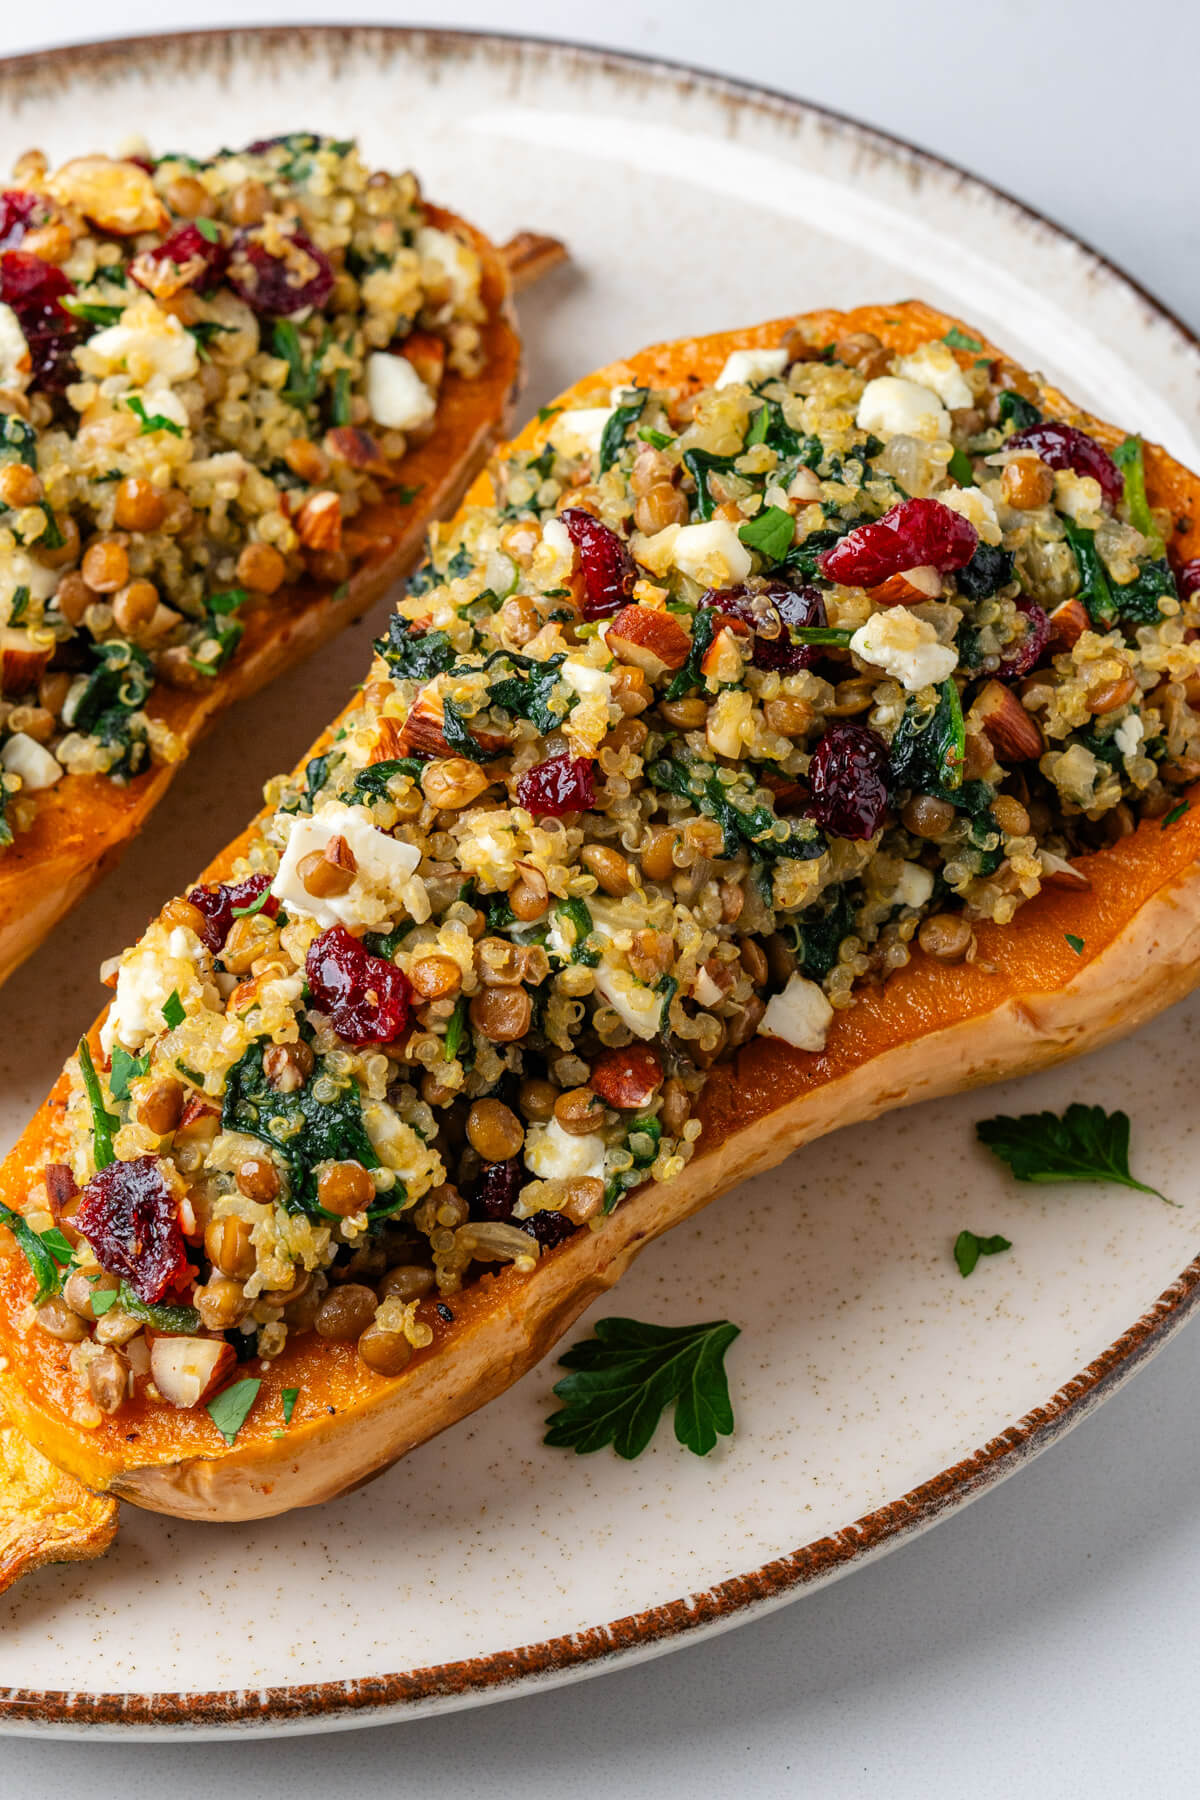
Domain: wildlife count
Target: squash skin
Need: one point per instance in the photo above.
(1029, 1001)
(84, 823)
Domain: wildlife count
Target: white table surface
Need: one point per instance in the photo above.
(1044, 1642)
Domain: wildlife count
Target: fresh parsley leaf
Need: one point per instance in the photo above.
(103, 1299)
(404, 496)
(968, 1248)
(658, 439)
(126, 1068)
(1085, 1144)
(290, 1397)
(173, 1010)
(623, 1379)
(547, 412)
(1076, 943)
(209, 230)
(227, 601)
(248, 911)
(339, 400)
(58, 1245)
(960, 467)
(961, 340)
(36, 1251)
(769, 532)
(149, 422)
(228, 1411)
(103, 1123)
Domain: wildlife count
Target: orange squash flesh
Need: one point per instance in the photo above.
(83, 824)
(1028, 1001)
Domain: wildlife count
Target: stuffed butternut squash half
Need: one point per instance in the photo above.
(233, 393)
(796, 723)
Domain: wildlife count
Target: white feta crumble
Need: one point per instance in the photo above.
(1129, 734)
(712, 553)
(456, 262)
(383, 862)
(892, 407)
(24, 756)
(578, 431)
(16, 363)
(914, 886)
(978, 508)
(904, 647)
(587, 681)
(745, 366)
(163, 964)
(149, 345)
(558, 538)
(635, 1004)
(553, 1154)
(705, 990)
(934, 366)
(801, 1015)
(397, 398)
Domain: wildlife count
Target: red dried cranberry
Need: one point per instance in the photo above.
(131, 1219)
(269, 283)
(561, 785)
(17, 212)
(1188, 577)
(184, 246)
(770, 612)
(365, 997)
(1028, 653)
(608, 569)
(912, 535)
(217, 904)
(549, 1228)
(847, 780)
(1066, 447)
(496, 1190)
(34, 289)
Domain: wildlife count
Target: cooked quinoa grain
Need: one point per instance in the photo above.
(735, 701)
(207, 368)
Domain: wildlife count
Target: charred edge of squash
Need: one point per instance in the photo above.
(1025, 972)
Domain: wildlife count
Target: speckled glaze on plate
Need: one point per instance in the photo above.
(875, 1389)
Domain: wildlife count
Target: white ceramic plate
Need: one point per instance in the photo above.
(874, 1387)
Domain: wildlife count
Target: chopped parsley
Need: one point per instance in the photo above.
(43, 1251)
(1076, 943)
(229, 1409)
(125, 1068)
(961, 340)
(969, 1247)
(769, 532)
(149, 422)
(173, 1010)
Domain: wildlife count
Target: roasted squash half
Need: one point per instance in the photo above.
(1028, 999)
(83, 824)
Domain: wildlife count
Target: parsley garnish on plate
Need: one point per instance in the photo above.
(624, 1378)
(969, 1247)
(228, 1410)
(1086, 1144)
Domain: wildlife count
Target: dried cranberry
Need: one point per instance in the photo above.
(1188, 577)
(770, 612)
(549, 1228)
(186, 248)
(1066, 447)
(365, 997)
(217, 904)
(270, 283)
(561, 785)
(609, 571)
(847, 777)
(34, 289)
(1028, 653)
(496, 1190)
(17, 212)
(912, 535)
(131, 1219)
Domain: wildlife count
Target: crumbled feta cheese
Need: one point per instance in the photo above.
(801, 1015)
(1129, 734)
(588, 682)
(397, 398)
(712, 554)
(751, 365)
(914, 886)
(638, 1006)
(1078, 496)
(18, 570)
(905, 647)
(705, 991)
(556, 537)
(163, 963)
(553, 1154)
(24, 756)
(729, 725)
(892, 407)
(384, 864)
(15, 361)
(934, 366)
(578, 431)
(456, 262)
(149, 345)
(978, 508)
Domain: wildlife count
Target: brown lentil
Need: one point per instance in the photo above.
(345, 1313)
(345, 1188)
(384, 1352)
(945, 936)
(227, 1242)
(494, 1130)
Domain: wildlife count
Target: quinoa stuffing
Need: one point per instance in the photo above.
(207, 368)
(734, 695)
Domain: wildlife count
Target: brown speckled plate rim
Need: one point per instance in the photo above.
(324, 1705)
